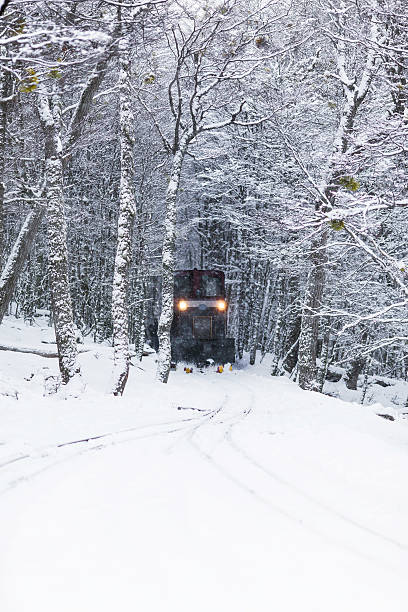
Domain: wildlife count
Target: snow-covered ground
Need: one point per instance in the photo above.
(233, 492)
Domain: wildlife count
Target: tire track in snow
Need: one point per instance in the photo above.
(266, 501)
(43, 458)
(321, 505)
(298, 491)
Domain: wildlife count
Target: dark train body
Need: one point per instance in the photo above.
(198, 331)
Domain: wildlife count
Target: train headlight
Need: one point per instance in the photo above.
(221, 305)
(182, 305)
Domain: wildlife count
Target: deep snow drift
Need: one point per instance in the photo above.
(225, 492)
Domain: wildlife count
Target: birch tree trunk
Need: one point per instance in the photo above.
(168, 266)
(125, 225)
(50, 117)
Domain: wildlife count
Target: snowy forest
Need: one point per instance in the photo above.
(203, 305)
(266, 139)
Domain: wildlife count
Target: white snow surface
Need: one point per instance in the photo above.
(232, 492)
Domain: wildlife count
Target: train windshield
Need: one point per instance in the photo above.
(183, 285)
(197, 284)
(209, 286)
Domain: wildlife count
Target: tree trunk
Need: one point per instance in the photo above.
(277, 333)
(353, 371)
(256, 317)
(50, 116)
(140, 312)
(263, 317)
(324, 357)
(241, 309)
(168, 266)
(120, 318)
(365, 381)
(18, 257)
(290, 359)
(309, 331)
(356, 367)
(5, 82)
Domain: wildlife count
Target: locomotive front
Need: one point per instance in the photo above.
(200, 318)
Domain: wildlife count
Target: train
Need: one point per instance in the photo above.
(199, 328)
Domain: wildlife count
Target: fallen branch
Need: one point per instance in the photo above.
(34, 351)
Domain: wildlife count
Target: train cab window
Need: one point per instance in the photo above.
(210, 286)
(182, 285)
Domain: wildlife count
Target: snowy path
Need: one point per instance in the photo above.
(230, 493)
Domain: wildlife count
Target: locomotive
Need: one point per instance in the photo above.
(198, 332)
